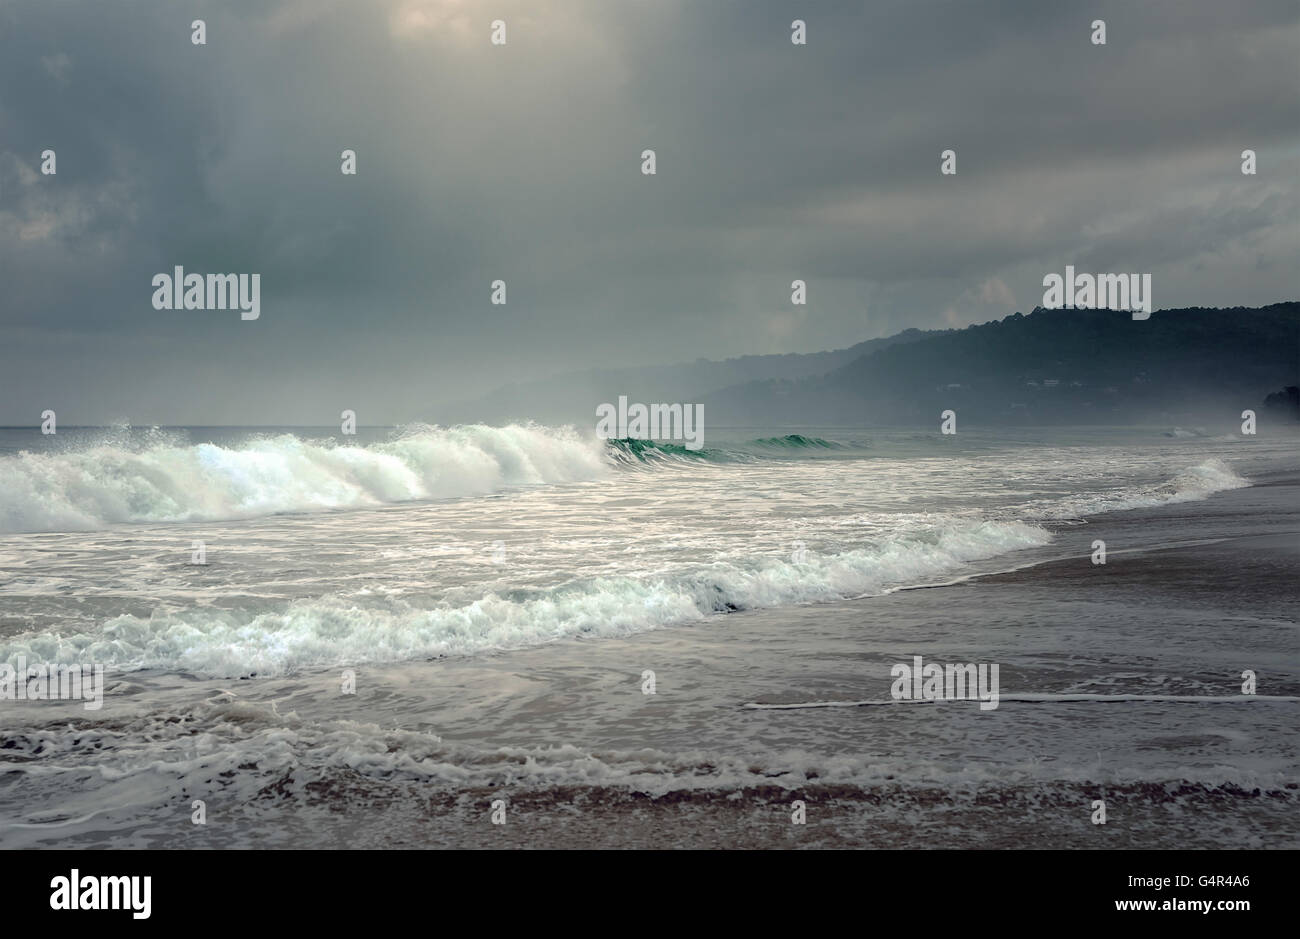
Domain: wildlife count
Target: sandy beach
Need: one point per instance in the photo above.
(1119, 682)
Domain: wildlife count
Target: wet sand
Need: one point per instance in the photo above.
(930, 777)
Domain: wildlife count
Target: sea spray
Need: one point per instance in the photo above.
(111, 482)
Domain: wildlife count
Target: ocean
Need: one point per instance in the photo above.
(484, 636)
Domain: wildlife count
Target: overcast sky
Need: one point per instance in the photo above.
(523, 162)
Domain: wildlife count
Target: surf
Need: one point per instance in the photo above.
(113, 481)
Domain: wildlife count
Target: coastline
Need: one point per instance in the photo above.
(1240, 563)
(564, 736)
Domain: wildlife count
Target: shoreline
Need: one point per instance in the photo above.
(1049, 813)
(565, 736)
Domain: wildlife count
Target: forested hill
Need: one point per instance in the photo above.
(1087, 366)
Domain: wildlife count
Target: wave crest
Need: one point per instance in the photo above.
(340, 630)
(167, 481)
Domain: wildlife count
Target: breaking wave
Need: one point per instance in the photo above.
(163, 480)
(160, 478)
(796, 442)
(632, 450)
(1191, 485)
(339, 630)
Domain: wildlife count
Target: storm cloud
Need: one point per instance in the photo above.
(522, 162)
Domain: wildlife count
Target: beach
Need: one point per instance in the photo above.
(1119, 682)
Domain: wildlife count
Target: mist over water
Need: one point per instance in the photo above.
(155, 476)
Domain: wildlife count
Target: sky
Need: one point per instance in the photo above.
(522, 162)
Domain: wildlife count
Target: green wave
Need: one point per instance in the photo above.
(646, 451)
(795, 442)
(641, 450)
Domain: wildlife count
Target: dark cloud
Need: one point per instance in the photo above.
(522, 163)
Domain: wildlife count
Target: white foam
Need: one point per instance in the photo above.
(341, 629)
(338, 630)
(1191, 485)
(1029, 698)
(108, 483)
(238, 747)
